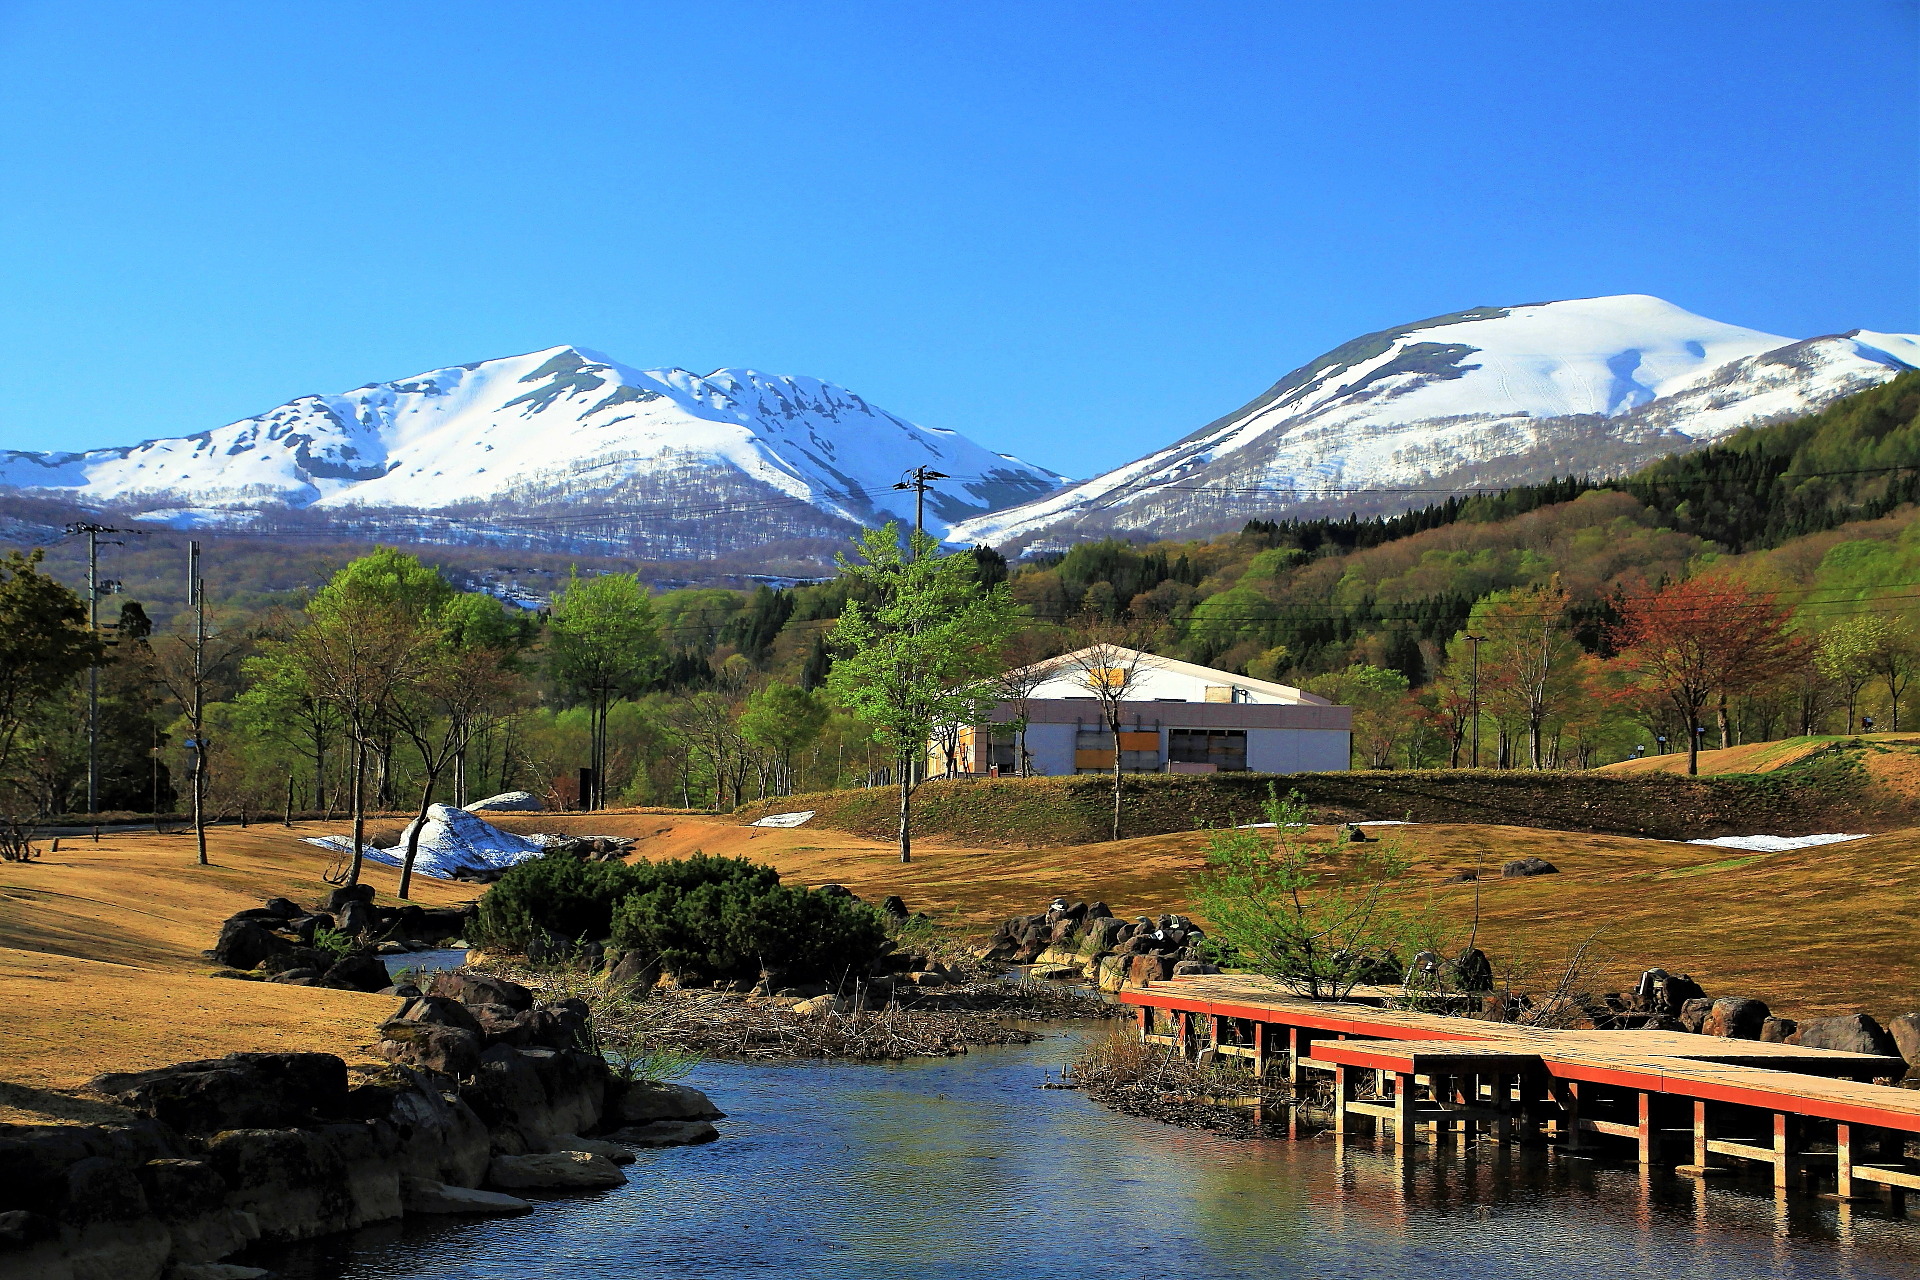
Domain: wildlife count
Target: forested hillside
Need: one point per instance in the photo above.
(1783, 565)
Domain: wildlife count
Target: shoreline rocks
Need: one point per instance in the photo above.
(219, 1154)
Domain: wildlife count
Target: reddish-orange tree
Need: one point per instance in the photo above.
(1691, 641)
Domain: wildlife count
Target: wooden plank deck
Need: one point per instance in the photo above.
(1820, 1084)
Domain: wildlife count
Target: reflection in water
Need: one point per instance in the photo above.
(964, 1169)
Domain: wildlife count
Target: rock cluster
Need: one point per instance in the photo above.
(463, 1016)
(277, 940)
(1077, 939)
(277, 1147)
(591, 848)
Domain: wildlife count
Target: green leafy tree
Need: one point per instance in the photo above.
(606, 645)
(1321, 917)
(783, 719)
(1844, 654)
(44, 645)
(1381, 710)
(1529, 665)
(918, 641)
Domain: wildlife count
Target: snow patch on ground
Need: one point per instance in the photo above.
(783, 819)
(451, 842)
(1775, 844)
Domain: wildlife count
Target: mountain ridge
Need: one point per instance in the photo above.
(1514, 395)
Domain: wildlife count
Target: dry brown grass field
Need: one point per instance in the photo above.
(100, 964)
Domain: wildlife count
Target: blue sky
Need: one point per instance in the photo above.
(1074, 231)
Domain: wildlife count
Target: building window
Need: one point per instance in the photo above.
(1224, 749)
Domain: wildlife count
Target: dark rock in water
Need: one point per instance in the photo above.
(430, 1046)
(339, 898)
(1528, 867)
(361, 972)
(644, 1101)
(1693, 1013)
(480, 988)
(666, 1133)
(1736, 1017)
(1850, 1033)
(1778, 1030)
(284, 908)
(244, 944)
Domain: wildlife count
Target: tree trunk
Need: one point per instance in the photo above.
(1115, 728)
(906, 829)
(200, 792)
(413, 835)
(1693, 742)
(359, 803)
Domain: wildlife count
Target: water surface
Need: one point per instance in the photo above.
(964, 1169)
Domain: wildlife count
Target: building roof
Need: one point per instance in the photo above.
(1263, 690)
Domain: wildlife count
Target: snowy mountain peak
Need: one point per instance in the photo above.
(1477, 398)
(668, 462)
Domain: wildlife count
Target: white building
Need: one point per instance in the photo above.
(1176, 718)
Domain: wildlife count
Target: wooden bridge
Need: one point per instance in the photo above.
(1813, 1115)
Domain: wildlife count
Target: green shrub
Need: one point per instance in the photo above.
(725, 929)
(562, 896)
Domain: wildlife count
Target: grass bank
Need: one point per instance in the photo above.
(1822, 791)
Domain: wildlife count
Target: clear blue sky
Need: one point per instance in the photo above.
(1073, 231)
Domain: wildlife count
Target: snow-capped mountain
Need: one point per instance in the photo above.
(562, 448)
(1488, 397)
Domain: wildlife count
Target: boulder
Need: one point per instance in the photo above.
(1145, 969)
(635, 972)
(1736, 1017)
(835, 891)
(1100, 934)
(895, 906)
(1099, 911)
(423, 1195)
(357, 918)
(430, 1046)
(1778, 1030)
(1472, 971)
(1850, 1033)
(283, 908)
(298, 977)
(241, 1090)
(216, 1271)
(362, 971)
(508, 802)
(339, 898)
(1693, 1014)
(243, 944)
(819, 1007)
(438, 1009)
(561, 1169)
(1528, 867)
(666, 1133)
(479, 988)
(1184, 968)
(1905, 1030)
(595, 1147)
(644, 1101)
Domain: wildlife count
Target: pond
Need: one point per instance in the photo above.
(967, 1169)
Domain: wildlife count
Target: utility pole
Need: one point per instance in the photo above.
(95, 588)
(1476, 642)
(917, 480)
(197, 597)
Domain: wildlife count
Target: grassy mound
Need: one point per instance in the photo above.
(1813, 794)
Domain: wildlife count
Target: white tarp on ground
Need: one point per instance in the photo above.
(452, 841)
(508, 802)
(782, 819)
(1774, 844)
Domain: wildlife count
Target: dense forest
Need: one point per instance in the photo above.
(1804, 532)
